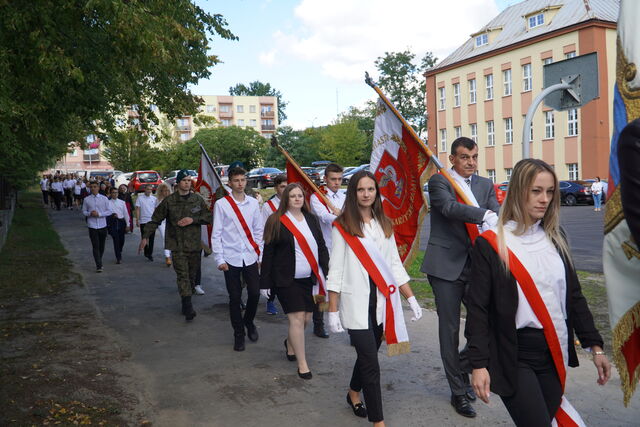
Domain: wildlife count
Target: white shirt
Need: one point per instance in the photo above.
(597, 187)
(77, 188)
(43, 184)
(226, 242)
(303, 269)
(69, 183)
(57, 187)
(266, 209)
(146, 204)
(324, 215)
(119, 208)
(100, 204)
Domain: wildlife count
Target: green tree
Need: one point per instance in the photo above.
(404, 83)
(130, 150)
(365, 118)
(70, 68)
(302, 145)
(258, 88)
(344, 143)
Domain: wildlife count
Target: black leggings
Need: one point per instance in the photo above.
(538, 390)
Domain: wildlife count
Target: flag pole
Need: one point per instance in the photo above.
(425, 148)
(206, 156)
(274, 143)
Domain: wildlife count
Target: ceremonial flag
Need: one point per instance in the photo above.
(294, 176)
(208, 184)
(399, 164)
(621, 253)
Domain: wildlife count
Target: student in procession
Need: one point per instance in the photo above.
(326, 215)
(447, 260)
(185, 212)
(293, 233)
(44, 182)
(78, 186)
(97, 208)
(145, 205)
(268, 208)
(69, 184)
(525, 303)
(364, 262)
(163, 191)
(125, 196)
(237, 244)
(118, 223)
(57, 188)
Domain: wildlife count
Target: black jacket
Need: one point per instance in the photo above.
(279, 257)
(492, 301)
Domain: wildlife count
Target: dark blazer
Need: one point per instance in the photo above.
(449, 244)
(492, 301)
(279, 257)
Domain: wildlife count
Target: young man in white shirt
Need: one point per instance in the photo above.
(44, 187)
(268, 208)
(97, 208)
(69, 183)
(118, 223)
(326, 215)
(58, 191)
(237, 244)
(145, 205)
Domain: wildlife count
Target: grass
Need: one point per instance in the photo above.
(32, 261)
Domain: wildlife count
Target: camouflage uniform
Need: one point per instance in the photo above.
(183, 242)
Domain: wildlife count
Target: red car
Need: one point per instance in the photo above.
(501, 192)
(140, 179)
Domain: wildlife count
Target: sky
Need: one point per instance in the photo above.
(315, 52)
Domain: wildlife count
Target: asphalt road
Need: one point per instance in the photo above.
(188, 375)
(584, 227)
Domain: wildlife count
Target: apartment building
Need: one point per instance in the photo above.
(485, 87)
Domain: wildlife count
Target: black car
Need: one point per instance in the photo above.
(262, 177)
(313, 173)
(574, 192)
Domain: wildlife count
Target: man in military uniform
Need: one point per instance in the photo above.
(185, 212)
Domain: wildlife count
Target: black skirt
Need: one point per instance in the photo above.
(297, 297)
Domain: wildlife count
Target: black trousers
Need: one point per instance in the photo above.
(57, 199)
(45, 196)
(98, 237)
(68, 197)
(233, 280)
(148, 250)
(366, 371)
(117, 228)
(538, 391)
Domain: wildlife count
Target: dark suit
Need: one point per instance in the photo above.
(447, 264)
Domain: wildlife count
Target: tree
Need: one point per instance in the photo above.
(344, 143)
(403, 82)
(302, 145)
(70, 68)
(258, 88)
(130, 150)
(365, 119)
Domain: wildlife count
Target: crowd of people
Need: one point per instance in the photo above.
(510, 266)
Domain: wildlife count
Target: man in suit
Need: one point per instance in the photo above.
(447, 258)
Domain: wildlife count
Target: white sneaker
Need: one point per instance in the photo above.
(199, 290)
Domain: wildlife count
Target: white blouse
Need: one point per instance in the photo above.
(303, 269)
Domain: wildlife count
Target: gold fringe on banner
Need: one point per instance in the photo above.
(621, 333)
(399, 348)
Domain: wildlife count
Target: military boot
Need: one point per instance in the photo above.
(187, 309)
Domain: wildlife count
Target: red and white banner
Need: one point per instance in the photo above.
(399, 165)
(294, 176)
(207, 184)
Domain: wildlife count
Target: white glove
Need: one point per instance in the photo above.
(415, 307)
(490, 219)
(334, 322)
(265, 293)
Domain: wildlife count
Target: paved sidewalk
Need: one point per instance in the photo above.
(188, 374)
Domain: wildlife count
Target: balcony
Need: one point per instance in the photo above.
(186, 128)
(92, 155)
(268, 127)
(226, 114)
(267, 114)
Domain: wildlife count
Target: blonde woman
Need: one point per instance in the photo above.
(161, 193)
(525, 303)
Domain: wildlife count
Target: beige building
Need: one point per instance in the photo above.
(484, 89)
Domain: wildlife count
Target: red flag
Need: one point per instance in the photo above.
(294, 176)
(207, 185)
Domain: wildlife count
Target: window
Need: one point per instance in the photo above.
(488, 82)
(265, 108)
(182, 122)
(549, 128)
(458, 131)
(239, 108)
(252, 122)
(526, 78)
(91, 138)
(252, 108)
(211, 108)
(573, 171)
(473, 131)
(225, 108)
(184, 136)
(547, 61)
(491, 137)
(456, 95)
(267, 122)
(472, 91)
(508, 172)
(226, 122)
(74, 152)
(443, 99)
(570, 55)
(482, 39)
(506, 82)
(508, 130)
(536, 20)
(443, 140)
(240, 122)
(572, 122)
(491, 174)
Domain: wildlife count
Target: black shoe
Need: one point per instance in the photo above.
(290, 357)
(150, 258)
(320, 332)
(462, 406)
(305, 376)
(470, 394)
(252, 332)
(358, 409)
(187, 309)
(238, 344)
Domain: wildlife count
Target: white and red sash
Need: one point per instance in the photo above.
(272, 206)
(320, 287)
(566, 416)
(321, 200)
(395, 330)
(241, 224)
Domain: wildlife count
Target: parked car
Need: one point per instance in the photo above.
(139, 179)
(171, 178)
(94, 174)
(313, 174)
(320, 172)
(574, 192)
(605, 187)
(262, 177)
(348, 169)
(501, 192)
(347, 177)
(222, 172)
(320, 163)
(123, 178)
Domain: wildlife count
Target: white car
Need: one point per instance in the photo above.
(123, 178)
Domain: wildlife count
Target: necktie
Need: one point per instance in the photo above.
(468, 181)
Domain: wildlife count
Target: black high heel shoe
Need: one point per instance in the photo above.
(305, 376)
(358, 409)
(290, 357)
